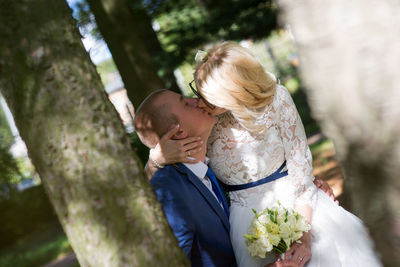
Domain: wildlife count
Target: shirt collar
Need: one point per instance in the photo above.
(199, 169)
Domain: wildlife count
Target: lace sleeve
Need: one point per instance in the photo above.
(297, 153)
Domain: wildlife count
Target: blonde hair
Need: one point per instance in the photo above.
(232, 78)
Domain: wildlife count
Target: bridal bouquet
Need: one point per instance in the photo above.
(275, 230)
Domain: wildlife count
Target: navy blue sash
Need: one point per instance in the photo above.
(276, 175)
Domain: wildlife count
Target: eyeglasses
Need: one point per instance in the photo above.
(211, 106)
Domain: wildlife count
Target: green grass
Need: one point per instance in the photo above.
(37, 249)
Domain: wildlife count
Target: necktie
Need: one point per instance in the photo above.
(217, 190)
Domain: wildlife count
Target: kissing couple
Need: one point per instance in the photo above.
(241, 134)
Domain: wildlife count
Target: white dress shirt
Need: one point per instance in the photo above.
(200, 170)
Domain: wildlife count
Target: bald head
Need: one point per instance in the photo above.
(153, 117)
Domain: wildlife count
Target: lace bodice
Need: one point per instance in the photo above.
(238, 156)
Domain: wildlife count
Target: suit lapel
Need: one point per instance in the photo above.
(209, 197)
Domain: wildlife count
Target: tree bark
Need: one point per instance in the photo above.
(350, 58)
(77, 142)
(129, 50)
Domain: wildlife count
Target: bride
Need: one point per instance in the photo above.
(259, 133)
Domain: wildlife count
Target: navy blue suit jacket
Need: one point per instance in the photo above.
(195, 216)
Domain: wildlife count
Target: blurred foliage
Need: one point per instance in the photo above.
(187, 73)
(26, 169)
(23, 213)
(310, 125)
(9, 171)
(278, 55)
(85, 19)
(131, 16)
(321, 146)
(106, 68)
(141, 150)
(292, 84)
(42, 246)
(6, 136)
(185, 25)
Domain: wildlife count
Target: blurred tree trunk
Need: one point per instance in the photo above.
(141, 21)
(131, 40)
(77, 142)
(350, 59)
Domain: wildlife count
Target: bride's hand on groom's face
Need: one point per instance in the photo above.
(169, 151)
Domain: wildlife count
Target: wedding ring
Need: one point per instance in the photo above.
(300, 258)
(188, 153)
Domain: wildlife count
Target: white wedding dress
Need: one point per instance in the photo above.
(338, 238)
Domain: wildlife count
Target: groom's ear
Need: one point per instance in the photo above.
(180, 133)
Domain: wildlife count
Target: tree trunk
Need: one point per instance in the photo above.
(141, 21)
(129, 50)
(350, 59)
(77, 142)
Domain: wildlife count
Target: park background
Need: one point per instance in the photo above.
(151, 45)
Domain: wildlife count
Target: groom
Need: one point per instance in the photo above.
(192, 200)
(194, 205)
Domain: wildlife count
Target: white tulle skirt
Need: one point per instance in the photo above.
(338, 238)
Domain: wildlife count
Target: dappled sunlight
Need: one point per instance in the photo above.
(332, 174)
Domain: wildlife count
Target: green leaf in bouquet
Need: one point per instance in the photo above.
(250, 237)
(255, 212)
(271, 217)
(274, 216)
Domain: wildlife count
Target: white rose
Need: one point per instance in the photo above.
(297, 235)
(292, 221)
(264, 219)
(302, 225)
(265, 243)
(285, 231)
(281, 217)
(272, 228)
(274, 239)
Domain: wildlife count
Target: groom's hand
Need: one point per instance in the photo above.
(324, 186)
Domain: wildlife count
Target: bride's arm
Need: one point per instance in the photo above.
(297, 153)
(299, 164)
